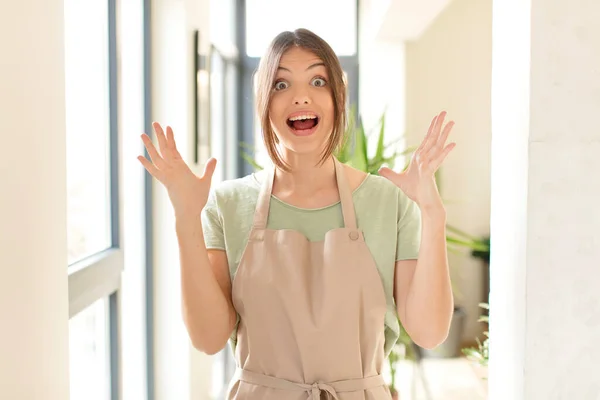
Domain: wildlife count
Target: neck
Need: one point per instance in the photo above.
(306, 176)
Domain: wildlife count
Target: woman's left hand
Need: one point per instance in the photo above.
(418, 180)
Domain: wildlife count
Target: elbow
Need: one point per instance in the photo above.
(209, 349)
(209, 342)
(433, 337)
(430, 342)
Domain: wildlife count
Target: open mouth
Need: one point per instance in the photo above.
(303, 123)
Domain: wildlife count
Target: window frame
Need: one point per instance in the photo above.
(230, 61)
(98, 276)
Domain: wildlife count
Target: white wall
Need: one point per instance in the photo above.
(545, 307)
(449, 68)
(180, 372)
(33, 238)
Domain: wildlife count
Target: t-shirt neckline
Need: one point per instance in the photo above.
(311, 209)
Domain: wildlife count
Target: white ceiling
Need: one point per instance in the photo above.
(406, 19)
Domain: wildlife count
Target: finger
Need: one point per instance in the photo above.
(438, 146)
(439, 122)
(152, 170)
(389, 174)
(170, 138)
(427, 137)
(162, 140)
(172, 147)
(446, 133)
(154, 156)
(437, 161)
(433, 134)
(209, 169)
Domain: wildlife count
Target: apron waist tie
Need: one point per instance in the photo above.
(314, 390)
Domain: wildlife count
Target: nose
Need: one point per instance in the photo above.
(302, 100)
(301, 97)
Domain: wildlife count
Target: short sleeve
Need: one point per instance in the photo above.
(212, 224)
(409, 228)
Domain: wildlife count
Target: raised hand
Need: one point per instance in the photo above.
(418, 180)
(188, 193)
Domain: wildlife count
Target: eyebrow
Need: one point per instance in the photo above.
(319, 64)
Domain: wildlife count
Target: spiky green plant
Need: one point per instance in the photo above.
(480, 354)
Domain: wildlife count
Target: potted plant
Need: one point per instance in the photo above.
(484, 255)
(480, 353)
(458, 241)
(404, 349)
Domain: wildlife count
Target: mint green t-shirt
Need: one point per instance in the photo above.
(389, 220)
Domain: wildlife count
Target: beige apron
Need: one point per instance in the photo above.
(311, 313)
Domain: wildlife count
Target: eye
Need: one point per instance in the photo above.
(319, 82)
(280, 85)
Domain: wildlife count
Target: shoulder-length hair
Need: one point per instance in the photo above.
(265, 79)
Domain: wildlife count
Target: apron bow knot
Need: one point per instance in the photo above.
(318, 387)
(314, 390)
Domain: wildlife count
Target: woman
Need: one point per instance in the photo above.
(306, 265)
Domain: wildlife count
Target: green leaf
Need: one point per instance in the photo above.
(344, 152)
(380, 146)
(473, 245)
(359, 158)
(247, 146)
(250, 160)
(462, 233)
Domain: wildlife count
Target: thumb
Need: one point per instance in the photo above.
(209, 169)
(389, 174)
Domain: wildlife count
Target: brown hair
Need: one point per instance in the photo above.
(265, 79)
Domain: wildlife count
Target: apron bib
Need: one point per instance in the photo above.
(311, 313)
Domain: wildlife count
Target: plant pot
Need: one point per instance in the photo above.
(395, 395)
(453, 344)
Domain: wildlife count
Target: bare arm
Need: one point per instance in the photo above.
(423, 291)
(206, 292)
(206, 289)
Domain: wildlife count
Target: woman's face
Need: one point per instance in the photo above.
(301, 108)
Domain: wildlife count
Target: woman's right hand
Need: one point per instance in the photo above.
(188, 193)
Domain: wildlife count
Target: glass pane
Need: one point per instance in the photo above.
(89, 353)
(217, 115)
(222, 34)
(231, 120)
(261, 156)
(334, 21)
(87, 123)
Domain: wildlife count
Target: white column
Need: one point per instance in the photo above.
(545, 268)
(33, 248)
(180, 372)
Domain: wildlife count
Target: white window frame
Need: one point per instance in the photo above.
(98, 276)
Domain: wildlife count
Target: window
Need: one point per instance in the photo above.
(334, 21)
(223, 112)
(87, 122)
(89, 361)
(94, 252)
(224, 69)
